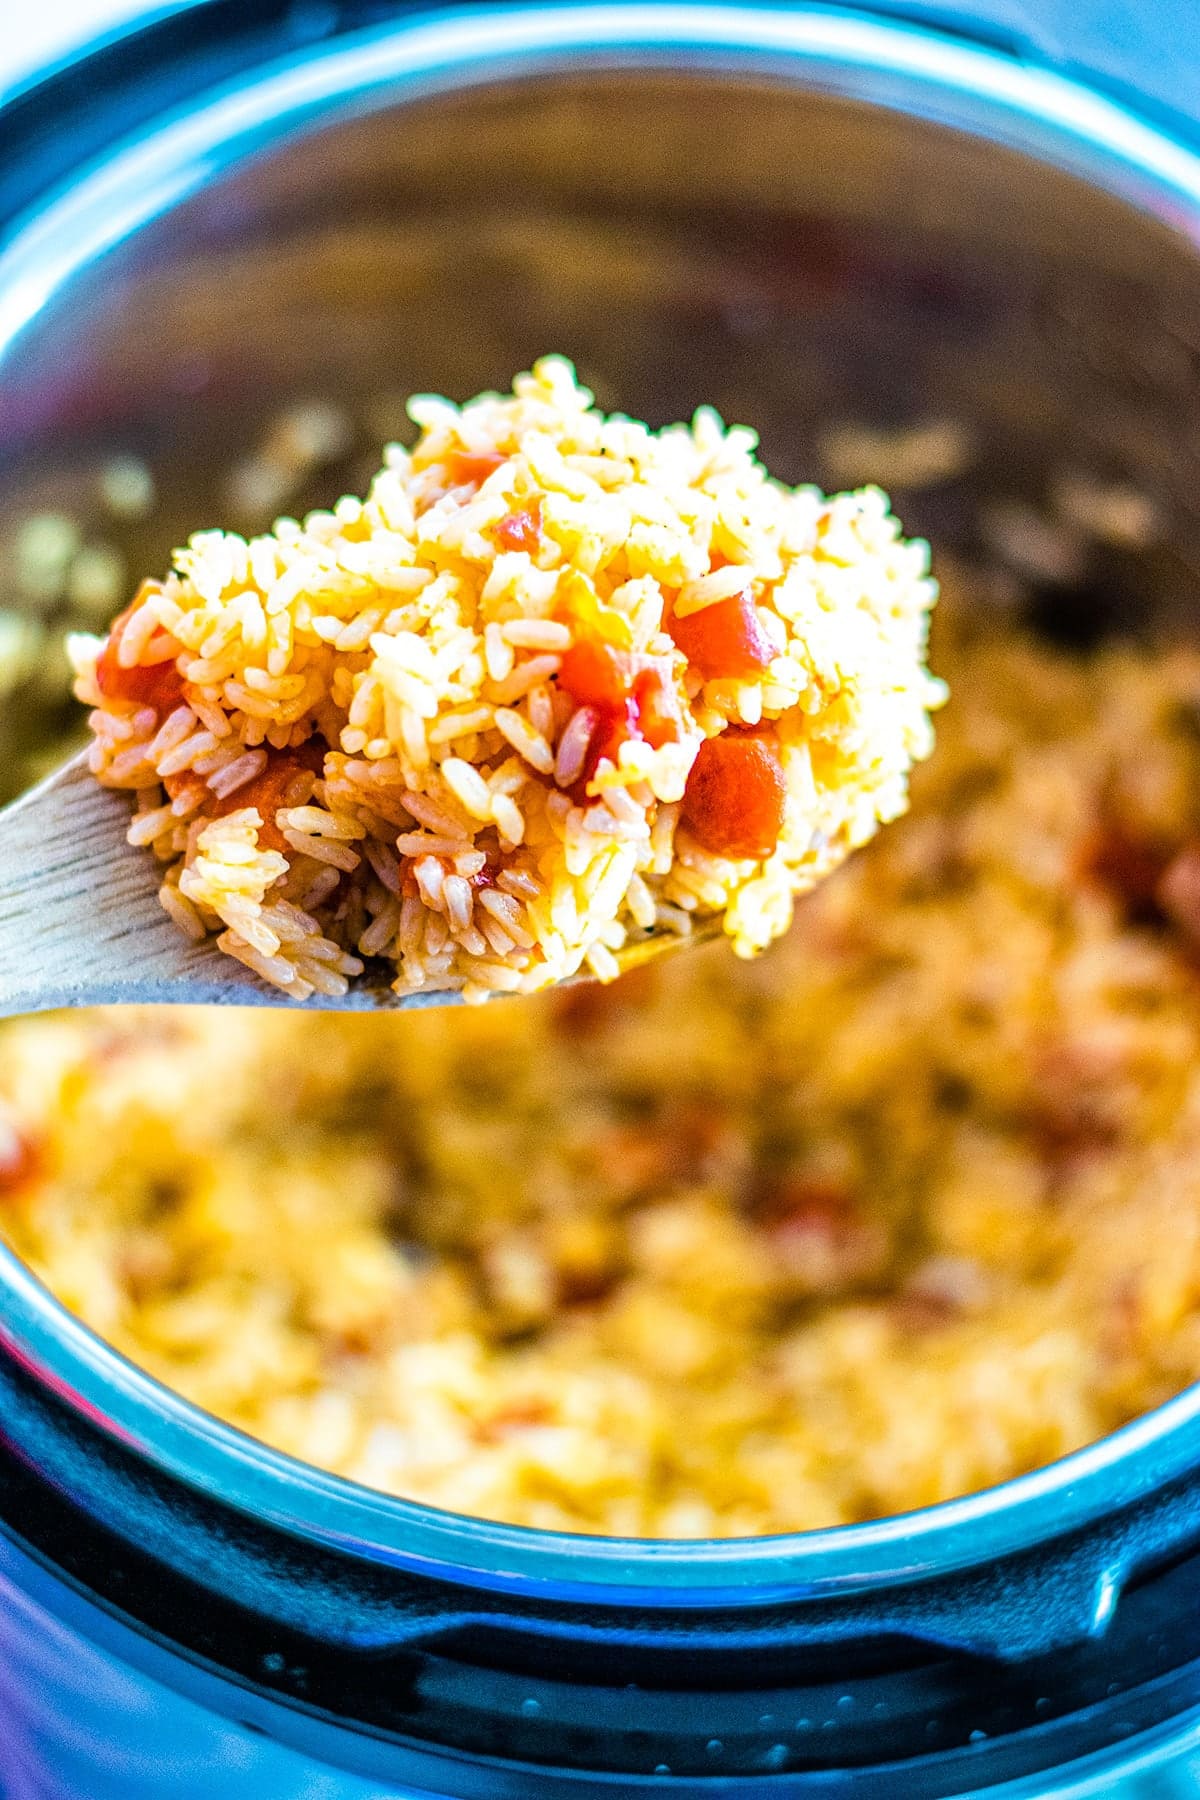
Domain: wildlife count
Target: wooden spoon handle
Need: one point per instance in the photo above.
(80, 922)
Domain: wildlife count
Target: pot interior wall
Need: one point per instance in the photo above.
(880, 297)
(828, 271)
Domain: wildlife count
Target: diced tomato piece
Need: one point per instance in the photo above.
(595, 674)
(1179, 893)
(613, 729)
(628, 700)
(1074, 1108)
(467, 468)
(20, 1159)
(268, 791)
(657, 710)
(1131, 866)
(724, 641)
(734, 800)
(159, 685)
(521, 530)
(802, 1200)
(591, 1007)
(584, 1286)
(519, 1416)
(819, 1235)
(186, 782)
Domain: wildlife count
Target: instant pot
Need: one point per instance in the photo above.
(803, 214)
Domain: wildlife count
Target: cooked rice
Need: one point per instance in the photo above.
(907, 1207)
(417, 640)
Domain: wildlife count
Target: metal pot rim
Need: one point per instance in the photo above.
(898, 67)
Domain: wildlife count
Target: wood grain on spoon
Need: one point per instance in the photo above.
(81, 924)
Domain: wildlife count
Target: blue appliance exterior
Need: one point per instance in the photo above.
(181, 1614)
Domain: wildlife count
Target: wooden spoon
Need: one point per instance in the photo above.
(80, 922)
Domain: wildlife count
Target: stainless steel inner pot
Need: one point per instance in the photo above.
(812, 221)
(680, 224)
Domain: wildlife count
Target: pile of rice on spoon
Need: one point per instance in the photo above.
(559, 684)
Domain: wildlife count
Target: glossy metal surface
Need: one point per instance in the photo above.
(820, 54)
(832, 217)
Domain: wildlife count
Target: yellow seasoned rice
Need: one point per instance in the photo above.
(451, 821)
(905, 1207)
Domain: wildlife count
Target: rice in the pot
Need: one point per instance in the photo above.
(906, 1207)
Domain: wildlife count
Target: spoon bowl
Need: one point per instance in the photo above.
(81, 925)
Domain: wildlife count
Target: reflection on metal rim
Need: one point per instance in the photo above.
(904, 68)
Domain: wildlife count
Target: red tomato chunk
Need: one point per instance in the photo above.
(657, 716)
(159, 686)
(612, 730)
(1178, 893)
(467, 469)
(724, 641)
(735, 795)
(1131, 866)
(595, 674)
(269, 791)
(521, 530)
(19, 1158)
(629, 696)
